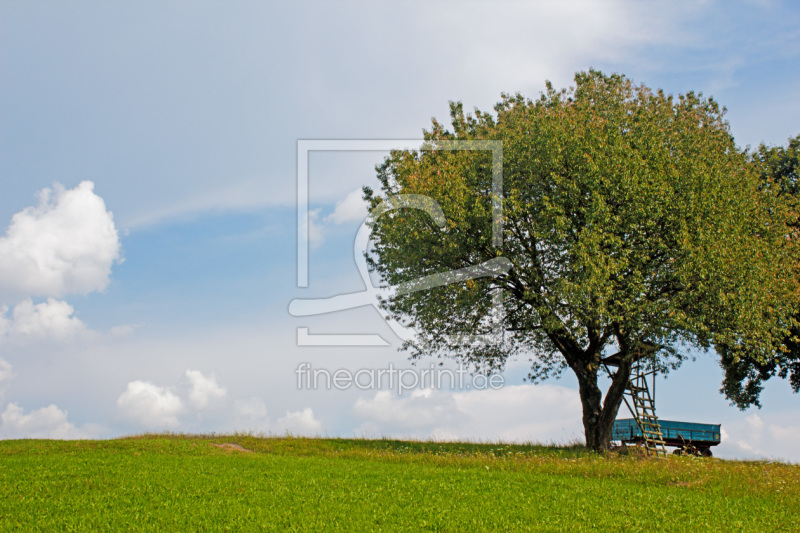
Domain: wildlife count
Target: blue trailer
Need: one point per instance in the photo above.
(688, 437)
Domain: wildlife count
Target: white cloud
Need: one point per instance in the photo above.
(50, 320)
(203, 389)
(553, 414)
(65, 245)
(422, 409)
(250, 408)
(5, 370)
(299, 423)
(755, 423)
(46, 423)
(316, 231)
(755, 436)
(248, 414)
(747, 441)
(149, 405)
(351, 208)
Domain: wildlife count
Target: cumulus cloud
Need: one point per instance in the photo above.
(46, 423)
(351, 208)
(49, 320)
(554, 414)
(251, 415)
(299, 423)
(150, 406)
(204, 389)
(67, 244)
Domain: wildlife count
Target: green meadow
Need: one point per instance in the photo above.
(247, 483)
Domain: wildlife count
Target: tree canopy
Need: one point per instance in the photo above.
(745, 375)
(632, 223)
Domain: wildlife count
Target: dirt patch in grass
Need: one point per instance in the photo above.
(231, 447)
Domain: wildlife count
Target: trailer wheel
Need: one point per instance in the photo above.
(706, 452)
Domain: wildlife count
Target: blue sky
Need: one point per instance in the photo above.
(167, 134)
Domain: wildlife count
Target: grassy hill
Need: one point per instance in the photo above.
(244, 483)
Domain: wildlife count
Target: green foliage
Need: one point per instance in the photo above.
(781, 166)
(632, 221)
(160, 483)
(627, 214)
(745, 375)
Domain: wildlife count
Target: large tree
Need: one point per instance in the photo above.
(745, 374)
(632, 224)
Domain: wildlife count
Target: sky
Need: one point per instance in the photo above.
(149, 185)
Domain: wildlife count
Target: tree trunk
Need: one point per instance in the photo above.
(598, 413)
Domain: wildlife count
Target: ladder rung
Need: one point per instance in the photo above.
(644, 412)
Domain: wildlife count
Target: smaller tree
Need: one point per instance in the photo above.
(745, 375)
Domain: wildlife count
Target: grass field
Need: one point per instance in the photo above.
(244, 483)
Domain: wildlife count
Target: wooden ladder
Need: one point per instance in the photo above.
(642, 407)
